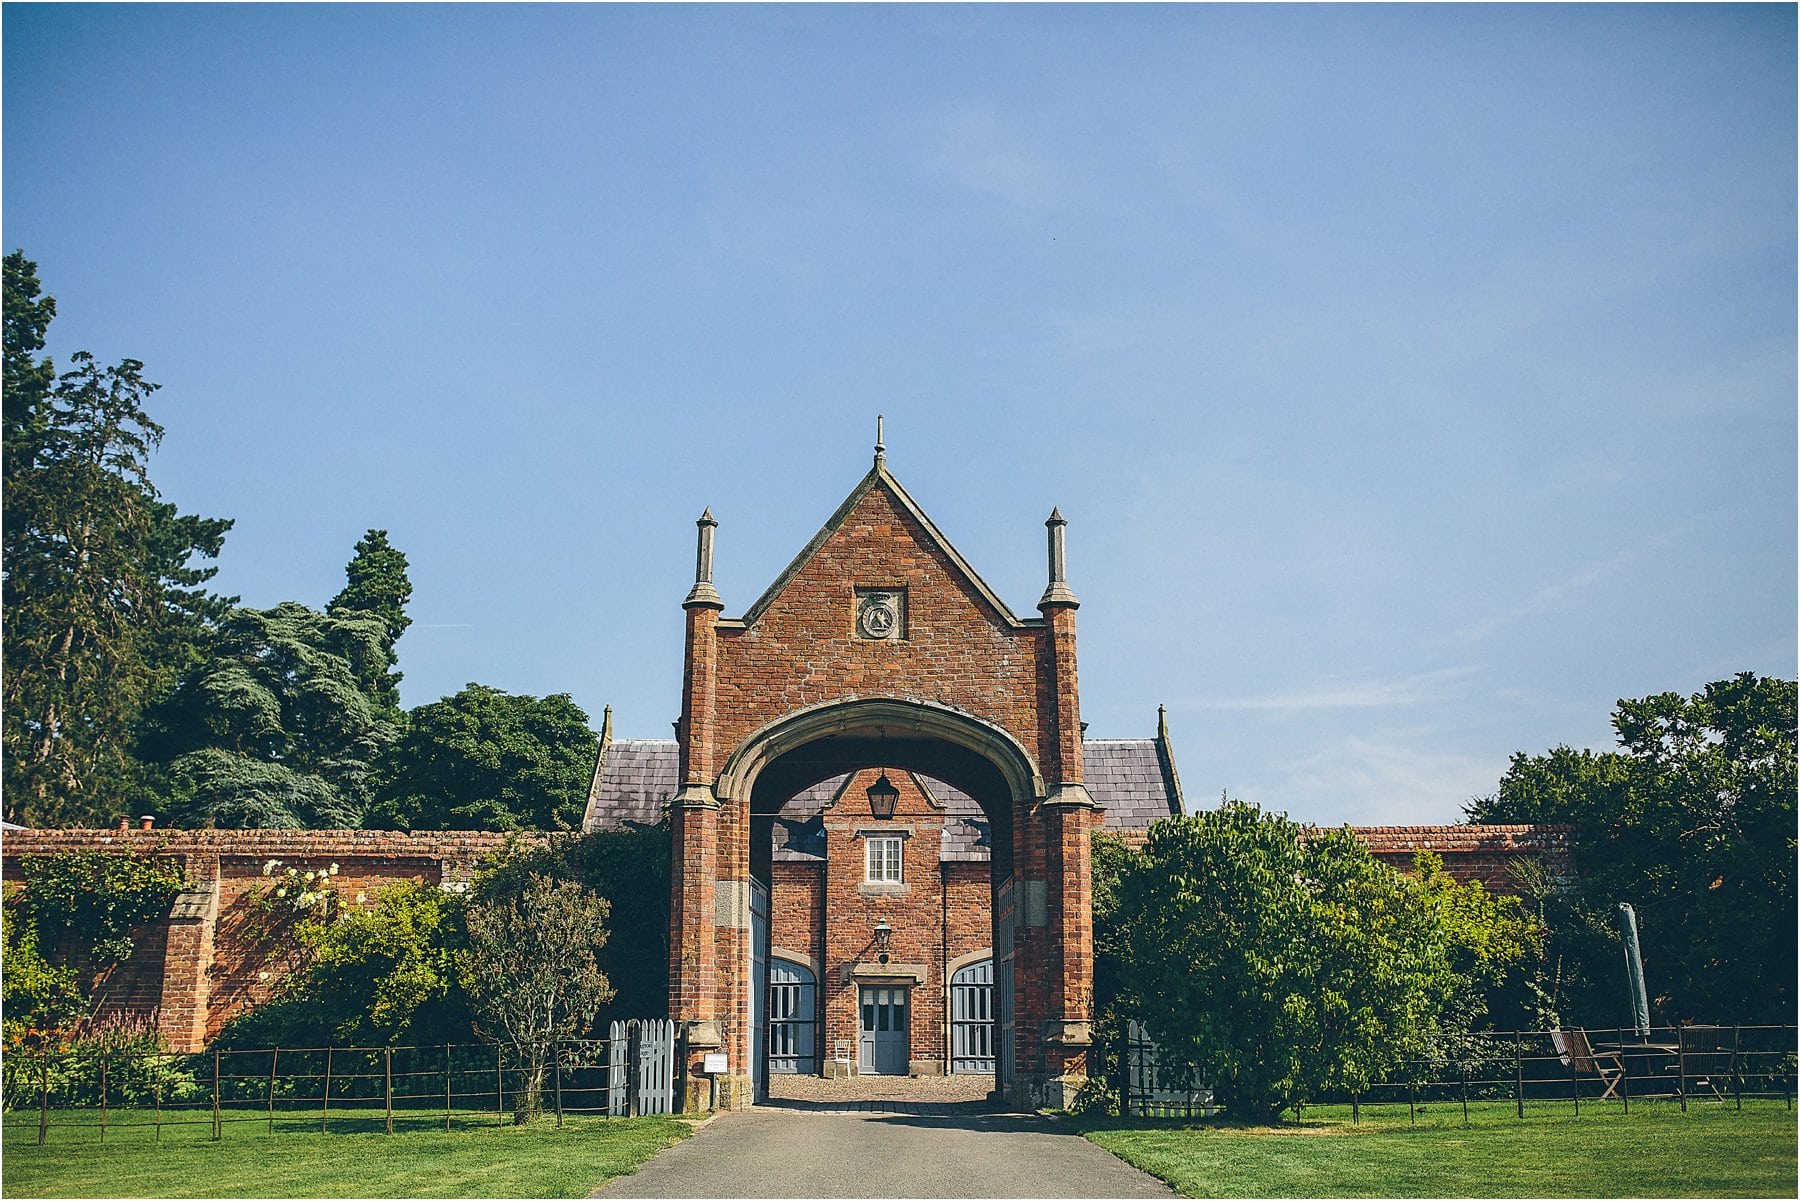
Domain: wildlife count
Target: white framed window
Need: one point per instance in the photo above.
(883, 859)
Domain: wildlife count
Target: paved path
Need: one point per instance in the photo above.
(914, 1150)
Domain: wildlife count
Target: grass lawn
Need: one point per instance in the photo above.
(297, 1161)
(1656, 1151)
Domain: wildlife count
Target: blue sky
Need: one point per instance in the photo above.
(1417, 381)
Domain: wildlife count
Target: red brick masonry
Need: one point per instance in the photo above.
(207, 961)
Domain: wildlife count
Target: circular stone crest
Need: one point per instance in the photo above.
(879, 616)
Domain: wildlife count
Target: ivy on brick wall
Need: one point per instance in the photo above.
(85, 903)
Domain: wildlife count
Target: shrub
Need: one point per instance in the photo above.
(1275, 960)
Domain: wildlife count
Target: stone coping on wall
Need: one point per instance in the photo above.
(458, 846)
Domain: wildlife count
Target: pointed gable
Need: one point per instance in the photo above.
(876, 505)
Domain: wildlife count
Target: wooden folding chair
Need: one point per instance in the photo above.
(1708, 1060)
(1575, 1050)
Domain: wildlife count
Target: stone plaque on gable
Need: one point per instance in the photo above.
(881, 614)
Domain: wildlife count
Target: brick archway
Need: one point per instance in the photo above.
(880, 646)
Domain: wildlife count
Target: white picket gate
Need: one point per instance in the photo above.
(640, 1068)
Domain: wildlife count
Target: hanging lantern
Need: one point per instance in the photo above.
(882, 798)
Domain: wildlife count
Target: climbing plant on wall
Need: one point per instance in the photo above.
(85, 903)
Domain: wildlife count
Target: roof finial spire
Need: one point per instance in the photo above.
(880, 450)
(1058, 592)
(703, 592)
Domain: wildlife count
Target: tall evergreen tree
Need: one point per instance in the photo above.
(104, 608)
(376, 582)
(277, 729)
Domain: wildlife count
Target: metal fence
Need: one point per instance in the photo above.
(629, 1073)
(1526, 1070)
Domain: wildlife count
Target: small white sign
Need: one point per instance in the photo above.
(715, 1064)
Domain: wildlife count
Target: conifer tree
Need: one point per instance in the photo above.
(104, 608)
(376, 583)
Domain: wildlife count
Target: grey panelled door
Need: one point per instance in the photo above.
(883, 1039)
(972, 1018)
(1006, 1037)
(792, 1030)
(759, 984)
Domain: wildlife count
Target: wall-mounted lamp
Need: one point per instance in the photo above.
(882, 798)
(883, 932)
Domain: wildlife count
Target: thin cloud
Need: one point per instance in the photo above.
(1424, 688)
(975, 151)
(1547, 599)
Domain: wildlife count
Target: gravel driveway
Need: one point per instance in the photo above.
(926, 1152)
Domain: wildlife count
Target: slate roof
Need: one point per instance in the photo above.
(633, 781)
(1127, 775)
(1134, 778)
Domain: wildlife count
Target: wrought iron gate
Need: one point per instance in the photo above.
(1152, 1089)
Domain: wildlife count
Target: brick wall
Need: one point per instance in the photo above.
(219, 952)
(1485, 853)
(207, 961)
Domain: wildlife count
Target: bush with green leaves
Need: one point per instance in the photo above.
(42, 1001)
(378, 969)
(85, 903)
(1277, 961)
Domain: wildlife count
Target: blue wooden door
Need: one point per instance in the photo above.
(883, 1038)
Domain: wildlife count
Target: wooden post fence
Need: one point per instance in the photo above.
(387, 1056)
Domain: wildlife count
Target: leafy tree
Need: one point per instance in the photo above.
(532, 976)
(1691, 821)
(377, 583)
(276, 729)
(383, 970)
(103, 608)
(1276, 960)
(1492, 941)
(630, 868)
(486, 760)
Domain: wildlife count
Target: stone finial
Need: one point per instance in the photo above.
(880, 450)
(1058, 592)
(703, 592)
(1162, 722)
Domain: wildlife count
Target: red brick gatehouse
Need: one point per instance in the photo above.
(882, 803)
